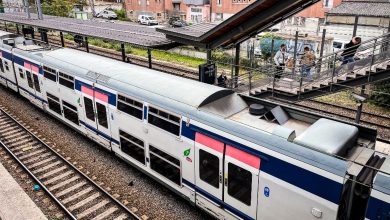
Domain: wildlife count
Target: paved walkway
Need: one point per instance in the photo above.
(15, 204)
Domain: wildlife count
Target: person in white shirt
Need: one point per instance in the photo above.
(280, 60)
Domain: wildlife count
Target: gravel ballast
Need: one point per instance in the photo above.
(135, 189)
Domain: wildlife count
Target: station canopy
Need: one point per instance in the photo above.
(133, 34)
(255, 18)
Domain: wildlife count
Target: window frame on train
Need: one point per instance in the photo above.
(101, 120)
(167, 119)
(158, 153)
(1, 65)
(30, 81)
(37, 86)
(201, 171)
(49, 72)
(134, 144)
(67, 107)
(230, 177)
(64, 78)
(52, 98)
(21, 73)
(124, 101)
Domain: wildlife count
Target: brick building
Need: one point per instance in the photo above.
(161, 9)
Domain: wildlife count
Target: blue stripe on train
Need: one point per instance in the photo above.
(107, 137)
(316, 184)
(378, 209)
(111, 96)
(216, 200)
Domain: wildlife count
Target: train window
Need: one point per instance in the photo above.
(36, 83)
(209, 168)
(70, 112)
(21, 74)
(29, 79)
(66, 80)
(6, 65)
(132, 146)
(89, 112)
(101, 115)
(1, 65)
(54, 103)
(50, 73)
(239, 183)
(164, 164)
(164, 120)
(130, 106)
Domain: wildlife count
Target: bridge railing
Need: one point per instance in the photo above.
(325, 70)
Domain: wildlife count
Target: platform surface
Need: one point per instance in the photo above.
(15, 204)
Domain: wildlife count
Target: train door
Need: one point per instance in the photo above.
(227, 176)
(34, 84)
(241, 173)
(209, 165)
(2, 72)
(96, 117)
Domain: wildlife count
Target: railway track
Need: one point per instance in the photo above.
(78, 195)
(367, 118)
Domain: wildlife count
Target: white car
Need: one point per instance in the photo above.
(147, 19)
(107, 14)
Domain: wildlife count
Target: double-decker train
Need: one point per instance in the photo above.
(234, 156)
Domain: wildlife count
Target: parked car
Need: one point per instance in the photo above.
(107, 14)
(179, 23)
(147, 19)
(173, 19)
(339, 44)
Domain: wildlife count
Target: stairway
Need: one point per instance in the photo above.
(329, 75)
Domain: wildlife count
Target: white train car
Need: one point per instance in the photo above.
(206, 143)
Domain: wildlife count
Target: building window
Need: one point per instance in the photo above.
(218, 16)
(130, 106)
(54, 103)
(328, 3)
(164, 120)
(219, 2)
(49, 73)
(165, 164)
(66, 80)
(132, 146)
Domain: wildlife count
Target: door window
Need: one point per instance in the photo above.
(239, 183)
(101, 115)
(89, 112)
(29, 79)
(1, 65)
(209, 168)
(36, 83)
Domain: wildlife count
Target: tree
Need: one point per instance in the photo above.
(266, 44)
(59, 7)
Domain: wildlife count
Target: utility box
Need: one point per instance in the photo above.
(207, 73)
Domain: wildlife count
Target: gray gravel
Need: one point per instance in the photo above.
(149, 197)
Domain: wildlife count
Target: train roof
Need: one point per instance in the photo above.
(185, 91)
(211, 105)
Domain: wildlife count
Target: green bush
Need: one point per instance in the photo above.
(382, 97)
(121, 14)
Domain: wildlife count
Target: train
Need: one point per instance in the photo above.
(232, 155)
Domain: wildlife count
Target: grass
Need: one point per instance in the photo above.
(344, 98)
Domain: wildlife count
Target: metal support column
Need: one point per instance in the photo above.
(208, 56)
(86, 44)
(17, 29)
(321, 51)
(62, 39)
(39, 9)
(150, 58)
(236, 65)
(295, 52)
(355, 25)
(5, 24)
(123, 52)
(272, 50)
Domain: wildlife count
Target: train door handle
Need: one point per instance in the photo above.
(220, 178)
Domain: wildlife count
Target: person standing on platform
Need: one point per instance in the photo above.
(280, 60)
(308, 61)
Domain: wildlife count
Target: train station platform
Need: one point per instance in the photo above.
(15, 204)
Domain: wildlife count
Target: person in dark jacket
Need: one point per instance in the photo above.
(350, 51)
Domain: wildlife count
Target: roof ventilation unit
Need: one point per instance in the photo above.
(257, 109)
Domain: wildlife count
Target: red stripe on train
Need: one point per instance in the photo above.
(242, 156)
